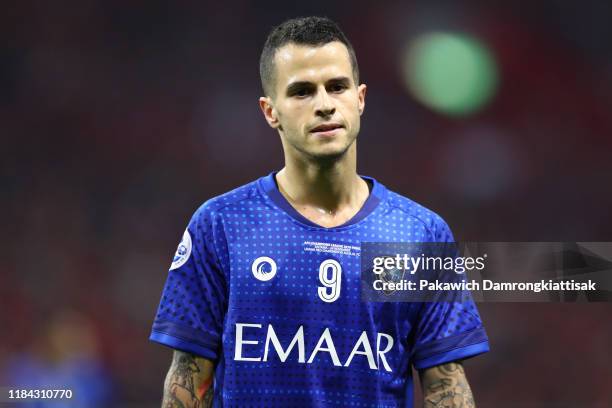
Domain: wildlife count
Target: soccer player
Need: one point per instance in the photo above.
(262, 301)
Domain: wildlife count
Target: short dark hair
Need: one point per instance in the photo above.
(313, 31)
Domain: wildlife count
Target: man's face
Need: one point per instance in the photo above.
(317, 104)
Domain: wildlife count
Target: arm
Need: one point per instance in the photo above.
(189, 382)
(446, 386)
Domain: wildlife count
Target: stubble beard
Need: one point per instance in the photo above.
(323, 159)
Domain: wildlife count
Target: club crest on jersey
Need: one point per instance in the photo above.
(182, 252)
(264, 268)
(392, 275)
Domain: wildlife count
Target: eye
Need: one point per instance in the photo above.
(337, 88)
(301, 92)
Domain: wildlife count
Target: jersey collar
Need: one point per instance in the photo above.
(269, 186)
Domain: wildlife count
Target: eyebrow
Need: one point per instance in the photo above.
(294, 86)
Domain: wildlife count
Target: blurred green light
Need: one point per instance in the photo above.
(451, 73)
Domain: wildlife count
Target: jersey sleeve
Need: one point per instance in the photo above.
(449, 329)
(194, 299)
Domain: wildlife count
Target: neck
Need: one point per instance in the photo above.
(325, 185)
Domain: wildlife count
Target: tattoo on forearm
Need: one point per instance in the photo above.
(205, 392)
(446, 386)
(188, 383)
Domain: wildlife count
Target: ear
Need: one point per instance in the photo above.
(267, 108)
(361, 94)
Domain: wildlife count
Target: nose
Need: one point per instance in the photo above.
(324, 104)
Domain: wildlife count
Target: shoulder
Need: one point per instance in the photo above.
(243, 198)
(408, 208)
(207, 225)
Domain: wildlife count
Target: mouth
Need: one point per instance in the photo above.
(326, 128)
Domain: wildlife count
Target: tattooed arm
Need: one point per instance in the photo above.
(446, 386)
(189, 382)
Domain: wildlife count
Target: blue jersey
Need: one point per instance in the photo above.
(275, 301)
